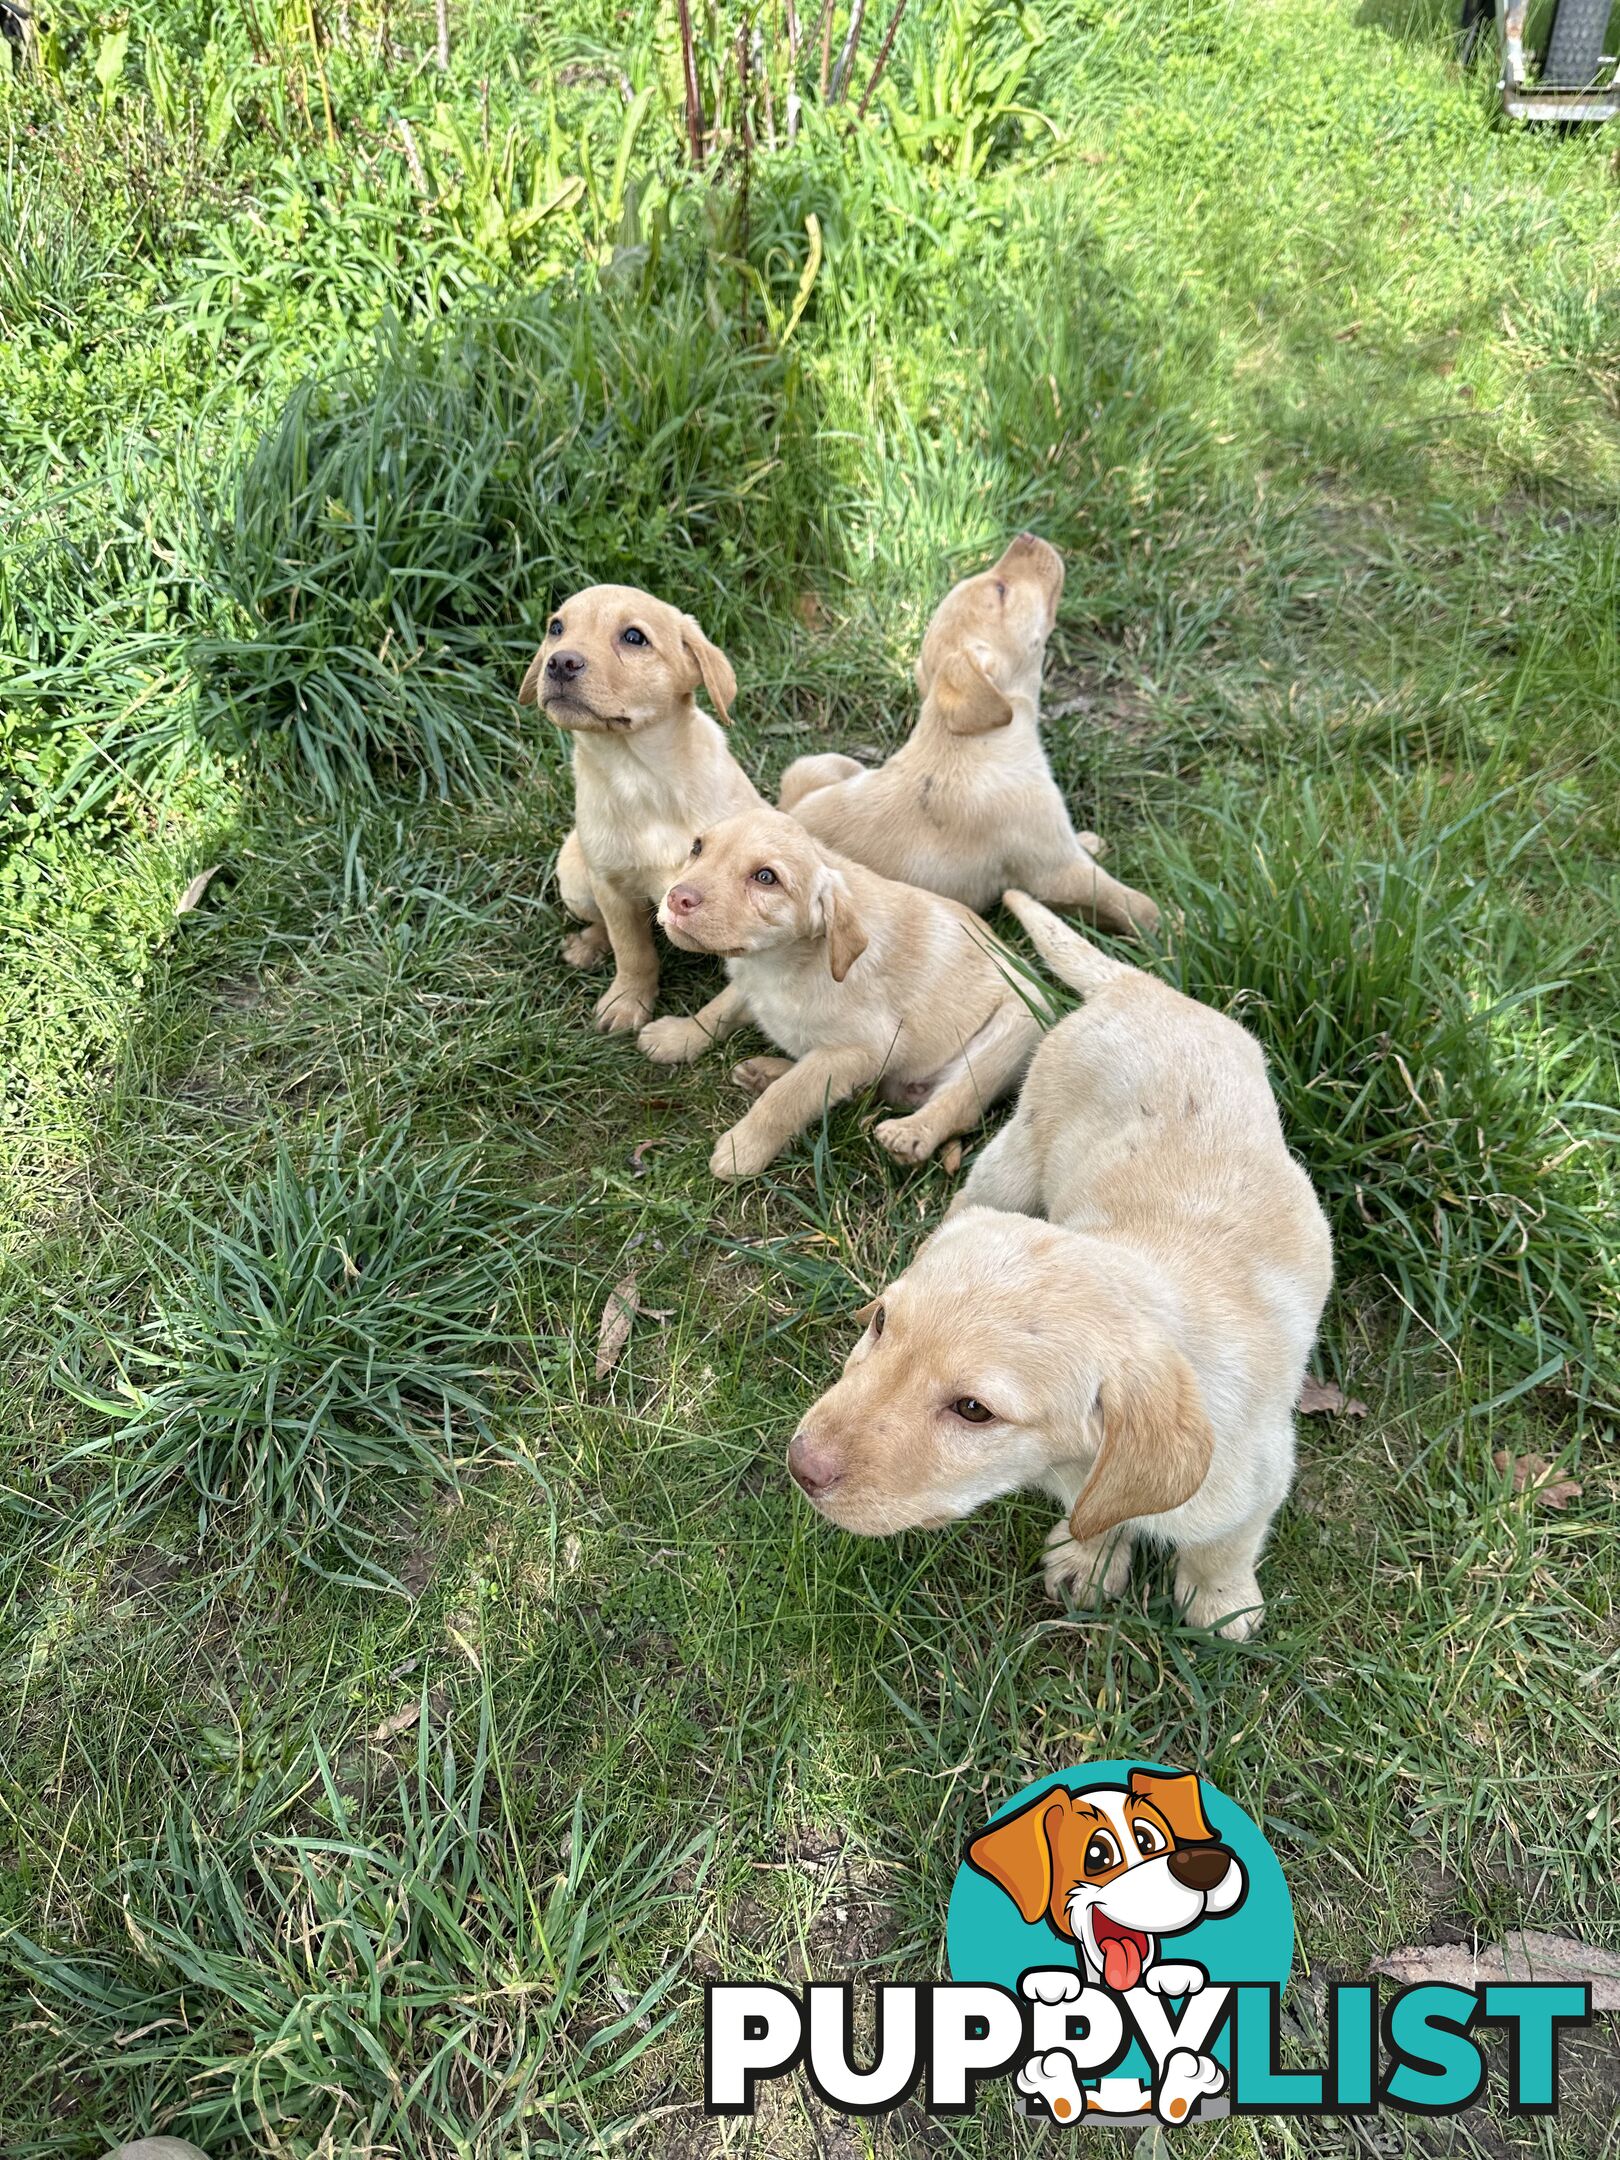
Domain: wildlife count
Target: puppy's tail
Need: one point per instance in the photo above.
(1070, 957)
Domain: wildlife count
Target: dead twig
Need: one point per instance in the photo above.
(882, 59)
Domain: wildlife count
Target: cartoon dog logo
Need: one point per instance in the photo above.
(1114, 1870)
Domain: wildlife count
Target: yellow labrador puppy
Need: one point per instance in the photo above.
(968, 806)
(1131, 1340)
(861, 981)
(619, 670)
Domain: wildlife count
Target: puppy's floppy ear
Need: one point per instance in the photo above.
(1016, 1853)
(863, 1313)
(833, 911)
(713, 669)
(969, 702)
(1156, 1446)
(529, 688)
(1179, 1799)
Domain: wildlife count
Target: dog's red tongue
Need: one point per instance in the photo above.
(1122, 1953)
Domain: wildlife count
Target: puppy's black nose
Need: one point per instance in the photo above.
(1200, 1867)
(562, 667)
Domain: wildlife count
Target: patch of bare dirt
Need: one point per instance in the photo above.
(1087, 695)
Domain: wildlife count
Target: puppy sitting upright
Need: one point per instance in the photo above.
(861, 981)
(618, 670)
(1138, 1352)
(968, 806)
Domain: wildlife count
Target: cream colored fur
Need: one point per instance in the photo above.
(967, 805)
(860, 981)
(1129, 1283)
(650, 770)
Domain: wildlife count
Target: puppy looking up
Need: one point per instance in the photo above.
(968, 806)
(618, 670)
(1131, 1340)
(860, 981)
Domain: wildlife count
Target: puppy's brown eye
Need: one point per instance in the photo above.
(697, 849)
(554, 627)
(1001, 588)
(764, 877)
(969, 1407)
(1148, 1839)
(877, 1321)
(633, 636)
(1101, 1852)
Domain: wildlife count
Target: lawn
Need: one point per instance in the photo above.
(402, 1718)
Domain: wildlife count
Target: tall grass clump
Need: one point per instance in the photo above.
(55, 263)
(411, 1974)
(333, 1322)
(1453, 1130)
(393, 542)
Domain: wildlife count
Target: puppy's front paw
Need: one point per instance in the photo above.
(740, 1153)
(1052, 1984)
(905, 1138)
(672, 1040)
(624, 1007)
(1085, 1574)
(754, 1075)
(1176, 1980)
(1232, 1610)
(1144, 914)
(586, 948)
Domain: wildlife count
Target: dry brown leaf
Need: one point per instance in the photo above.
(1519, 1957)
(1322, 1398)
(638, 1156)
(1535, 1475)
(621, 1309)
(614, 1331)
(198, 886)
(950, 1157)
(401, 1721)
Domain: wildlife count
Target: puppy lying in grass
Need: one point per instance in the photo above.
(1117, 1309)
(619, 670)
(968, 806)
(859, 980)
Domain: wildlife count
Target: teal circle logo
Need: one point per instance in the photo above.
(1122, 1882)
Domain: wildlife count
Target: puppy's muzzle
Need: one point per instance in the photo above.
(682, 901)
(1199, 1867)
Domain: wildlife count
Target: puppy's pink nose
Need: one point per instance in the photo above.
(815, 1470)
(683, 900)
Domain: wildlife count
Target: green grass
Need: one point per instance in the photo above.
(331, 1321)
(401, 1721)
